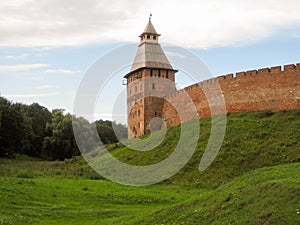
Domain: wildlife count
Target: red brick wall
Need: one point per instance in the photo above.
(269, 88)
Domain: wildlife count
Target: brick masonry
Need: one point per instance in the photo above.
(273, 88)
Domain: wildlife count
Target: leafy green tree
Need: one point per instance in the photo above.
(87, 139)
(110, 132)
(4, 145)
(34, 131)
(60, 143)
(38, 117)
(12, 130)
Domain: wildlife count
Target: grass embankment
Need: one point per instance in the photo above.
(253, 140)
(233, 190)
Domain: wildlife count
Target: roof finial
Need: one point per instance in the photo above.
(150, 17)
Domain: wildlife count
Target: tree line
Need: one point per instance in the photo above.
(35, 131)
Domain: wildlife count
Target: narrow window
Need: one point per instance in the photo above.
(167, 75)
(153, 86)
(155, 114)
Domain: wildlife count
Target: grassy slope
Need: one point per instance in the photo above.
(231, 191)
(264, 196)
(253, 140)
(269, 195)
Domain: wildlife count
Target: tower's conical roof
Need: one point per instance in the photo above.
(150, 53)
(149, 29)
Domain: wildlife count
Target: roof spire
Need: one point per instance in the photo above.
(150, 17)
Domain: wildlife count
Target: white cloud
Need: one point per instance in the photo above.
(28, 96)
(21, 67)
(17, 57)
(61, 71)
(193, 23)
(43, 87)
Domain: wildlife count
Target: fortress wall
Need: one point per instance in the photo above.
(274, 88)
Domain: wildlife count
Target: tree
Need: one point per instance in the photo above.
(34, 131)
(60, 143)
(86, 137)
(12, 130)
(4, 150)
(38, 117)
(110, 132)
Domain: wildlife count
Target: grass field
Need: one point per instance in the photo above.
(255, 179)
(71, 201)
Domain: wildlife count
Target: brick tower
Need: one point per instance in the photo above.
(151, 77)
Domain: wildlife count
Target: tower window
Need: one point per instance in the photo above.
(153, 86)
(155, 114)
(148, 36)
(139, 75)
(154, 37)
(139, 112)
(167, 75)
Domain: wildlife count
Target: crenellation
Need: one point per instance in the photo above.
(209, 81)
(290, 67)
(263, 72)
(193, 86)
(251, 73)
(276, 70)
(240, 75)
(229, 76)
(206, 82)
(221, 78)
(254, 92)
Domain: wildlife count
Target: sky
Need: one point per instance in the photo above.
(47, 46)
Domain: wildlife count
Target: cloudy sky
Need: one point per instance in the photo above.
(47, 46)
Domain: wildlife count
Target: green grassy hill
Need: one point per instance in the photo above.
(263, 196)
(253, 140)
(255, 179)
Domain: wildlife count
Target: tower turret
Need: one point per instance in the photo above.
(151, 76)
